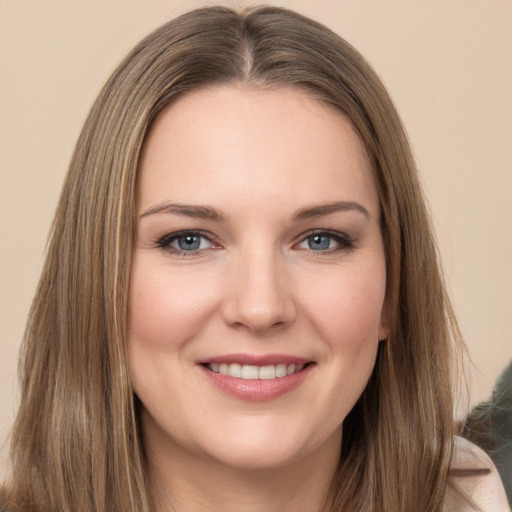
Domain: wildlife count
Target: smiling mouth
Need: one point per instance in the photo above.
(257, 377)
(252, 372)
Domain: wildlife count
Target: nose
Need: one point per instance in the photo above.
(259, 294)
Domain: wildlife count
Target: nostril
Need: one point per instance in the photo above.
(240, 315)
(257, 294)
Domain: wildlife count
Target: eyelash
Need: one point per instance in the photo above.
(344, 242)
(166, 241)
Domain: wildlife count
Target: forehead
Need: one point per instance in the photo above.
(258, 145)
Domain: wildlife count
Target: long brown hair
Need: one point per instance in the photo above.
(76, 443)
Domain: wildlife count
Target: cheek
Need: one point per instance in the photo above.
(343, 310)
(347, 309)
(166, 311)
(162, 299)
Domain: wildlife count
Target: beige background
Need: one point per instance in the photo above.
(447, 64)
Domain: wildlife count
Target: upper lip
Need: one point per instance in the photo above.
(255, 359)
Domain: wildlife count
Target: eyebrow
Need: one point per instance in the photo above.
(199, 212)
(207, 212)
(327, 209)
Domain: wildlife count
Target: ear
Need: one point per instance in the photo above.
(384, 322)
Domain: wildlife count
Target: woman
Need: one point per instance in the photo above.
(241, 307)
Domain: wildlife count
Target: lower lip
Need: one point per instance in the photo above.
(257, 390)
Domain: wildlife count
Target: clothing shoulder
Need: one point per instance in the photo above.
(483, 488)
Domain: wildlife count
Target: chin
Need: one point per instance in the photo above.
(252, 456)
(253, 459)
(268, 446)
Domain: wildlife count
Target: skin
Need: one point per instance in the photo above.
(255, 286)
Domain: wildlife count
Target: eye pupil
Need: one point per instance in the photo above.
(189, 242)
(318, 242)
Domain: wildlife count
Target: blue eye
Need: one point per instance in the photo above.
(326, 241)
(185, 242)
(188, 242)
(319, 242)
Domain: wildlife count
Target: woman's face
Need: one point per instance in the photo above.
(258, 281)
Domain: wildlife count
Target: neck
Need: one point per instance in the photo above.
(182, 481)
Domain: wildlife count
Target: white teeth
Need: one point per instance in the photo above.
(281, 370)
(235, 370)
(267, 372)
(250, 372)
